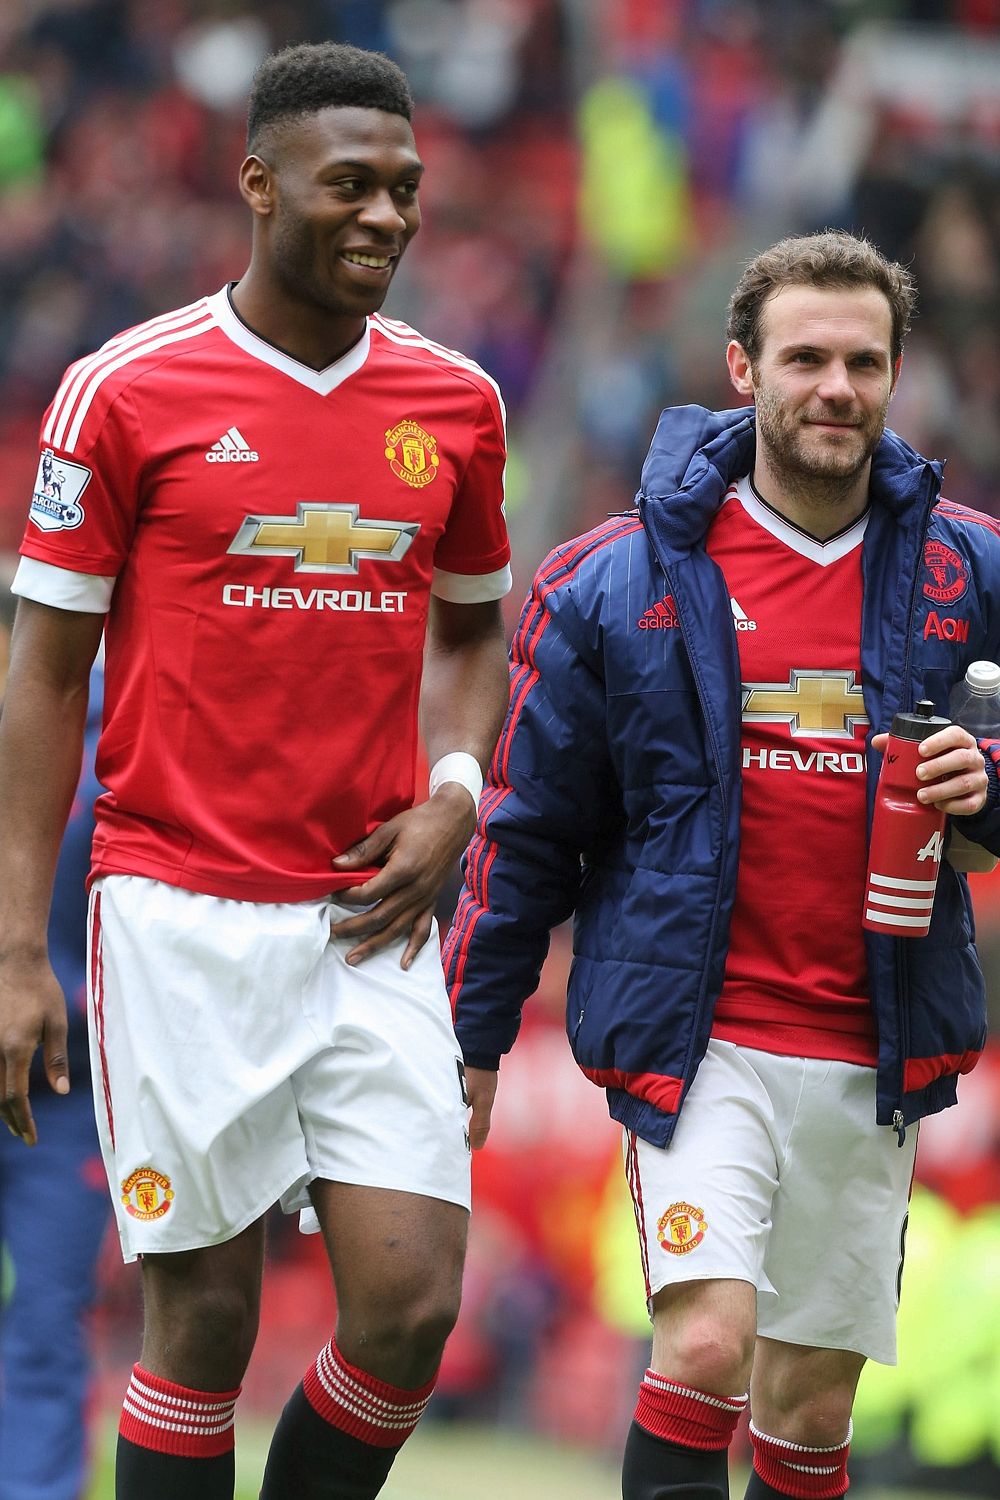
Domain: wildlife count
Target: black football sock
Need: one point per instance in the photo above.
(759, 1489)
(144, 1474)
(678, 1445)
(340, 1432)
(310, 1459)
(657, 1470)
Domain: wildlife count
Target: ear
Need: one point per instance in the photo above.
(257, 185)
(895, 374)
(739, 368)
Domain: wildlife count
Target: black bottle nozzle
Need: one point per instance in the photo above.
(921, 724)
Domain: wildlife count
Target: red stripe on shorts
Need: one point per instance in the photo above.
(635, 1188)
(97, 990)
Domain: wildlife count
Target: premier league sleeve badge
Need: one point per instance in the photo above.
(59, 483)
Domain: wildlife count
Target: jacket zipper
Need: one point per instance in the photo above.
(724, 798)
(902, 988)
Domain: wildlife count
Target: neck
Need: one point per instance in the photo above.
(307, 332)
(821, 505)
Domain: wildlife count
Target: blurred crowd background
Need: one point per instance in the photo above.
(597, 172)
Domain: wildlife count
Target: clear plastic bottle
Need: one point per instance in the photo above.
(975, 704)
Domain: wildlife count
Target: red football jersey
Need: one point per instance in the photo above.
(265, 538)
(796, 978)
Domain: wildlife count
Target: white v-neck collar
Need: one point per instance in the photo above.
(824, 553)
(320, 381)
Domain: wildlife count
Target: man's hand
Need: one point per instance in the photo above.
(952, 774)
(32, 1014)
(417, 850)
(481, 1087)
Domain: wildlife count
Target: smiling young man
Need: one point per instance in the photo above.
(284, 511)
(699, 694)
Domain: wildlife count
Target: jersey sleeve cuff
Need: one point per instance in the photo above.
(90, 593)
(472, 588)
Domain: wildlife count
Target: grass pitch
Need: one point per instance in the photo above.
(450, 1463)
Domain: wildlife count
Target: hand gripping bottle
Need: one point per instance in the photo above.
(975, 704)
(907, 836)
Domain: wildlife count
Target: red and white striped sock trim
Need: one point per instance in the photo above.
(372, 1410)
(804, 1473)
(679, 1414)
(171, 1419)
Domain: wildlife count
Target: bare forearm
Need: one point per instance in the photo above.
(465, 686)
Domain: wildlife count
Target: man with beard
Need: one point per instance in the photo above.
(285, 513)
(700, 693)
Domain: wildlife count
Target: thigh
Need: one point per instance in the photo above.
(836, 1249)
(397, 1265)
(703, 1205)
(383, 1104)
(389, 1247)
(397, 1262)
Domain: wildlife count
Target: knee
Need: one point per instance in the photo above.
(427, 1325)
(226, 1318)
(818, 1419)
(722, 1358)
(204, 1339)
(422, 1321)
(805, 1395)
(706, 1353)
(409, 1329)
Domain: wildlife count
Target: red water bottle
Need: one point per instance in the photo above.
(907, 836)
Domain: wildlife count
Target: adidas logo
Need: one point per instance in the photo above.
(232, 448)
(662, 616)
(739, 618)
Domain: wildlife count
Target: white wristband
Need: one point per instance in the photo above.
(458, 766)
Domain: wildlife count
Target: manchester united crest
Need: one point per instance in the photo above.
(681, 1229)
(147, 1194)
(412, 453)
(948, 576)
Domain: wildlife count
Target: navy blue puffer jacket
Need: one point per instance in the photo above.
(614, 795)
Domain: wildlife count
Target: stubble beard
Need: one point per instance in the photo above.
(824, 475)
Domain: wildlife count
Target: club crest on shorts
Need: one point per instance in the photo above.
(412, 453)
(681, 1228)
(147, 1194)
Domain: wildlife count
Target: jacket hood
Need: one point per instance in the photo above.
(696, 454)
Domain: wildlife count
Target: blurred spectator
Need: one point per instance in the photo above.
(53, 1200)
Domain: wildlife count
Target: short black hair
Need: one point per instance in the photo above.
(832, 258)
(313, 76)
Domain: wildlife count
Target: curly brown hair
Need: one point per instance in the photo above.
(833, 258)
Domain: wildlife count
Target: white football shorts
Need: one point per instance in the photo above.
(237, 1057)
(778, 1175)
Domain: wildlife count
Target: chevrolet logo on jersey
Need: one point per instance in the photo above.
(324, 538)
(823, 705)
